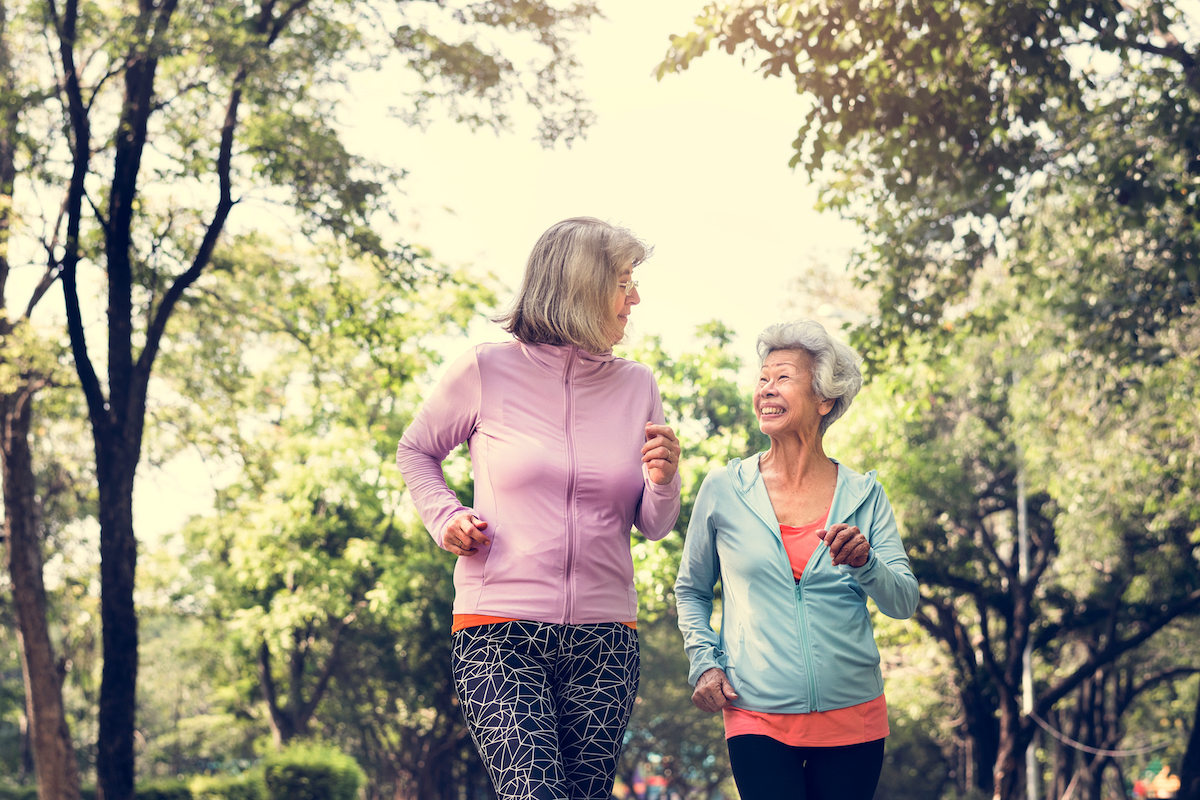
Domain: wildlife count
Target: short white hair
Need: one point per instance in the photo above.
(835, 372)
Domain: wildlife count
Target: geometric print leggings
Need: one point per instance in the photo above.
(547, 705)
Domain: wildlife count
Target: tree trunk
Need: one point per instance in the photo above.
(118, 566)
(1004, 771)
(1189, 771)
(49, 736)
(283, 721)
(982, 734)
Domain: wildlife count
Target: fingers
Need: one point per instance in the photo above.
(661, 452)
(713, 691)
(464, 535)
(847, 545)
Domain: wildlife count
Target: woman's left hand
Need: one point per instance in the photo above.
(847, 545)
(660, 453)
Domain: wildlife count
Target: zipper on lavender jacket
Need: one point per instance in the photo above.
(569, 436)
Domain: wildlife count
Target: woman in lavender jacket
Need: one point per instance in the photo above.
(569, 451)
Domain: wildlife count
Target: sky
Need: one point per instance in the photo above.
(696, 165)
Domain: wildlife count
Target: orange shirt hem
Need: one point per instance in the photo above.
(474, 620)
(856, 724)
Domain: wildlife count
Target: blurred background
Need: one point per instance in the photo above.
(239, 241)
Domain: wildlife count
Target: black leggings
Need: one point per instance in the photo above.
(766, 769)
(548, 704)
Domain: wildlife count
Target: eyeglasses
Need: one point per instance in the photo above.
(627, 287)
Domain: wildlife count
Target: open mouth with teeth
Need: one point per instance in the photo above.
(770, 411)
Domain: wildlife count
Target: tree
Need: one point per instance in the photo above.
(1189, 772)
(331, 593)
(28, 365)
(1109, 568)
(22, 375)
(1045, 153)
(944, 129)
(167, 112)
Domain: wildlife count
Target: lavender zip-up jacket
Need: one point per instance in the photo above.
(555, 435)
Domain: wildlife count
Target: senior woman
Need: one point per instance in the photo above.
(569, 450)
(798, 542)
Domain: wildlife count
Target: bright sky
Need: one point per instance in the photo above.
(695, 164)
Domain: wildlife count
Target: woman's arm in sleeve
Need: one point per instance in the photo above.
(699, 570)
(886, 577)
(446, 420)
(659, 506)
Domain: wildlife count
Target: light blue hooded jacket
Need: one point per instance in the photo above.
(788, 647)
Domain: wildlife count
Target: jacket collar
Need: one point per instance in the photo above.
(851, 490)
(556, 356)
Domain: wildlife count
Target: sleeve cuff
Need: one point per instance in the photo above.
(671, 489)
(703, 667)
(859, 572)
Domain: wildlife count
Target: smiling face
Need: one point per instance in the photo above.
(623, 303)
(784, 400)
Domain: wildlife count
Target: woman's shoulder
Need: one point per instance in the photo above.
(724, 476)
(860, 488)
(633, 375)
(851, 475)
(501, 349)
(633, 367)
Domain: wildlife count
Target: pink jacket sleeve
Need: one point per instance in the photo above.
(659, 508)
(446, 419)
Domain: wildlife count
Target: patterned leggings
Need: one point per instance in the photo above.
(548, 704)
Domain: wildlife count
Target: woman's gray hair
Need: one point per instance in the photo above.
(570, 283)
(835, 372)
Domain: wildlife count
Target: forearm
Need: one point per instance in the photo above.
(436, 502)
(659, 508)
(700, 641)
(892, 585)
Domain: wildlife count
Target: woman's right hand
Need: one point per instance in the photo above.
(464, 535)
(713, 691)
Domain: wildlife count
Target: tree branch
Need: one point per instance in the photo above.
(1114, 648)
(270, 693)
(203, 256)
(286, 17)
(48, 277)
(65, 27)
(327, 671)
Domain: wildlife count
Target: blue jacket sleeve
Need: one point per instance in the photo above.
(886, 577)
(699, 570)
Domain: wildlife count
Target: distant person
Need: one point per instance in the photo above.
(798, 542)
(569, 451)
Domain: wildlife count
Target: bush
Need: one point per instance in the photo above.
(163, 790)
(311, 772)
(18, 792)
(248, 786)
(152, 790)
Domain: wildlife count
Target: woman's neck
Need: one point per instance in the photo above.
(797, 461)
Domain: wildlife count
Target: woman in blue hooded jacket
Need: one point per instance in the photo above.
(798, 542)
